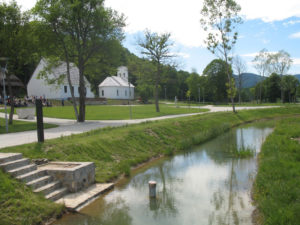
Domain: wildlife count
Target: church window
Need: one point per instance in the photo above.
(117, 92)
(66, 89)
(125, 92)
(102, 92)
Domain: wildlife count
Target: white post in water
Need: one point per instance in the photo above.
(152, 189)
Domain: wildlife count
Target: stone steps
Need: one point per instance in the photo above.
(38, 180)
(57, 194)
(14, 164)
(22, 170)
(50, 187)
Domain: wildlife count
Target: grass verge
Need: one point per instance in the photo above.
(277, 185)
(19, 126)
(116, 150)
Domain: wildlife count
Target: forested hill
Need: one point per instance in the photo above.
(297, 76)
(249, 79)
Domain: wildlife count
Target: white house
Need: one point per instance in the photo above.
(57, 90)
(117, 87)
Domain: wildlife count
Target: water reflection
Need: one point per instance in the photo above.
(204, 186)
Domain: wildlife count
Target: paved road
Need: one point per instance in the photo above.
(68, 127)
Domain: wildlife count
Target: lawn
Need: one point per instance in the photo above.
(107, 112)
(19, 126)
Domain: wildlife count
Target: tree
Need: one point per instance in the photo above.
(240, 67)
(290, 84)
(280, 63)
(193, 83)
(81, 27)
(156, 47)
(221, 18)
(262, 65)
(15, 44)
(216, 75)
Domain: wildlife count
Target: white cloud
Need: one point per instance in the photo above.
(291, 22)
(295, 35)
(181, 18)
(270, 10)
(296, 61)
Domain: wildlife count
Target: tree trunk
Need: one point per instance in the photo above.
(156, 88)
(71, 88)
(81, 117)
(12, 105)
(240, 88)
(281, 88)
(230, 87)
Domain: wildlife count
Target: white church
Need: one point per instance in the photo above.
(117, 87)
(42, 88)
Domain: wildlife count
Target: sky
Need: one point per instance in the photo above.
(270, 24)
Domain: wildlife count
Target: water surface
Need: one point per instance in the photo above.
(205, 185)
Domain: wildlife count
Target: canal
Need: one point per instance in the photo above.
(205, 185)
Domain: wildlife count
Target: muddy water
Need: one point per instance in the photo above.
(205, 185)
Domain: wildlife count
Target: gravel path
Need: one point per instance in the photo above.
(68, 127)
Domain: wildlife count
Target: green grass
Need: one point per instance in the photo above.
(106, 112)
(277, 185)
(242, 152)
(115, 150)
(19, 126)
(19, 205)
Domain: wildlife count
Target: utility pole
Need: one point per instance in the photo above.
(199, 93)
(4, 91)
(129, 95)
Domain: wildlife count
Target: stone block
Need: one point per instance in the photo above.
(26, 113)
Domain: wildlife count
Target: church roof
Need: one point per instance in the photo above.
(115, 81)
(61, 70)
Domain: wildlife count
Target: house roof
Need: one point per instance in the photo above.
(14, 81)
(61, 69)
(115, 81)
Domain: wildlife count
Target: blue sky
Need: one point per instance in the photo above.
(274, 25)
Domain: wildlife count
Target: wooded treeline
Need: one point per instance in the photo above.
(25, 39)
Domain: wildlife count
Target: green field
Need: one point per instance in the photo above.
(19, 126)
(116, 150)
(107, 112)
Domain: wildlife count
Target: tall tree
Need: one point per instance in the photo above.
(220, 17)
(216, 75)
(240, 67)
(262, 65)
(15, 44)
(280, 63)
(81, 27)
(156, 47)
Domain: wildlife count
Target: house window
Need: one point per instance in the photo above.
(117, 92)
(66, 89)
(102, 92)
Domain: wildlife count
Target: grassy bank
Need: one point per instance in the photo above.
(19, 126)
(116, 150)
(277, 186)
(18, 204)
